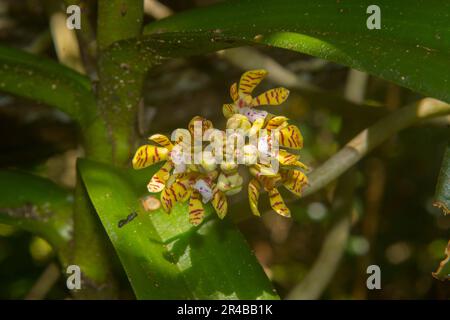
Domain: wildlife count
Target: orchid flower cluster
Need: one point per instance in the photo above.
(201, 174)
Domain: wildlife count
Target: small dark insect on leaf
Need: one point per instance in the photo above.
(130, 217)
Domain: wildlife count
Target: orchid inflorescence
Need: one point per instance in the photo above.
(201, 174)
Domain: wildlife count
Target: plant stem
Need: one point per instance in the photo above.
(119, 95)
(119, 92)
(370, 138)
(118, 20)
(120, 86)
(45, 282)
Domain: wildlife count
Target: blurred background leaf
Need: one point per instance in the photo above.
(39, 206)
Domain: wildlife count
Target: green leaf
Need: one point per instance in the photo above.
(37, 205)
(163, 255)
(411, 48)
(442, 197)
(49, 82)
(46, 81)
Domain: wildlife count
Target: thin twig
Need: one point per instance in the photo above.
(355, 89)
(311, 65)
(323, 269)
(370, 138)
(333, 247)
(45, 282)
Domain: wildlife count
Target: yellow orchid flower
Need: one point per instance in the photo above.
(208, 181)
(289, 134)
(199, 189)
(243, 102)
(149, 154)
(293, 180)
(194, 182)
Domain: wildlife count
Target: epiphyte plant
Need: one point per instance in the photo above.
(214, 175)
(104, 84)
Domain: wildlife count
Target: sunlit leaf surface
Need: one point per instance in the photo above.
(164, 256)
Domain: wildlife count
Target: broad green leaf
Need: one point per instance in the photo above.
(443, 271)
(46, 81)
(411, 48)
(442, 198)
(163, 255)
(37, 205)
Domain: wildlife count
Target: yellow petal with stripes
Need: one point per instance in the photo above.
(167, 200)
(228, 110)
(250, 79)
(260, 170)
(271, 97)
(295, 180)
(277, 203)
(196, 211)
(291, 137)
(176, 192)
(300, 165)
(269, 182)
(254, 188)
(147, 155)
(219, 202)
(158, 181)
(234, 92)
(188, 178)
(287, 159)
(162, 140)
(181, 191)
(277, 122)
